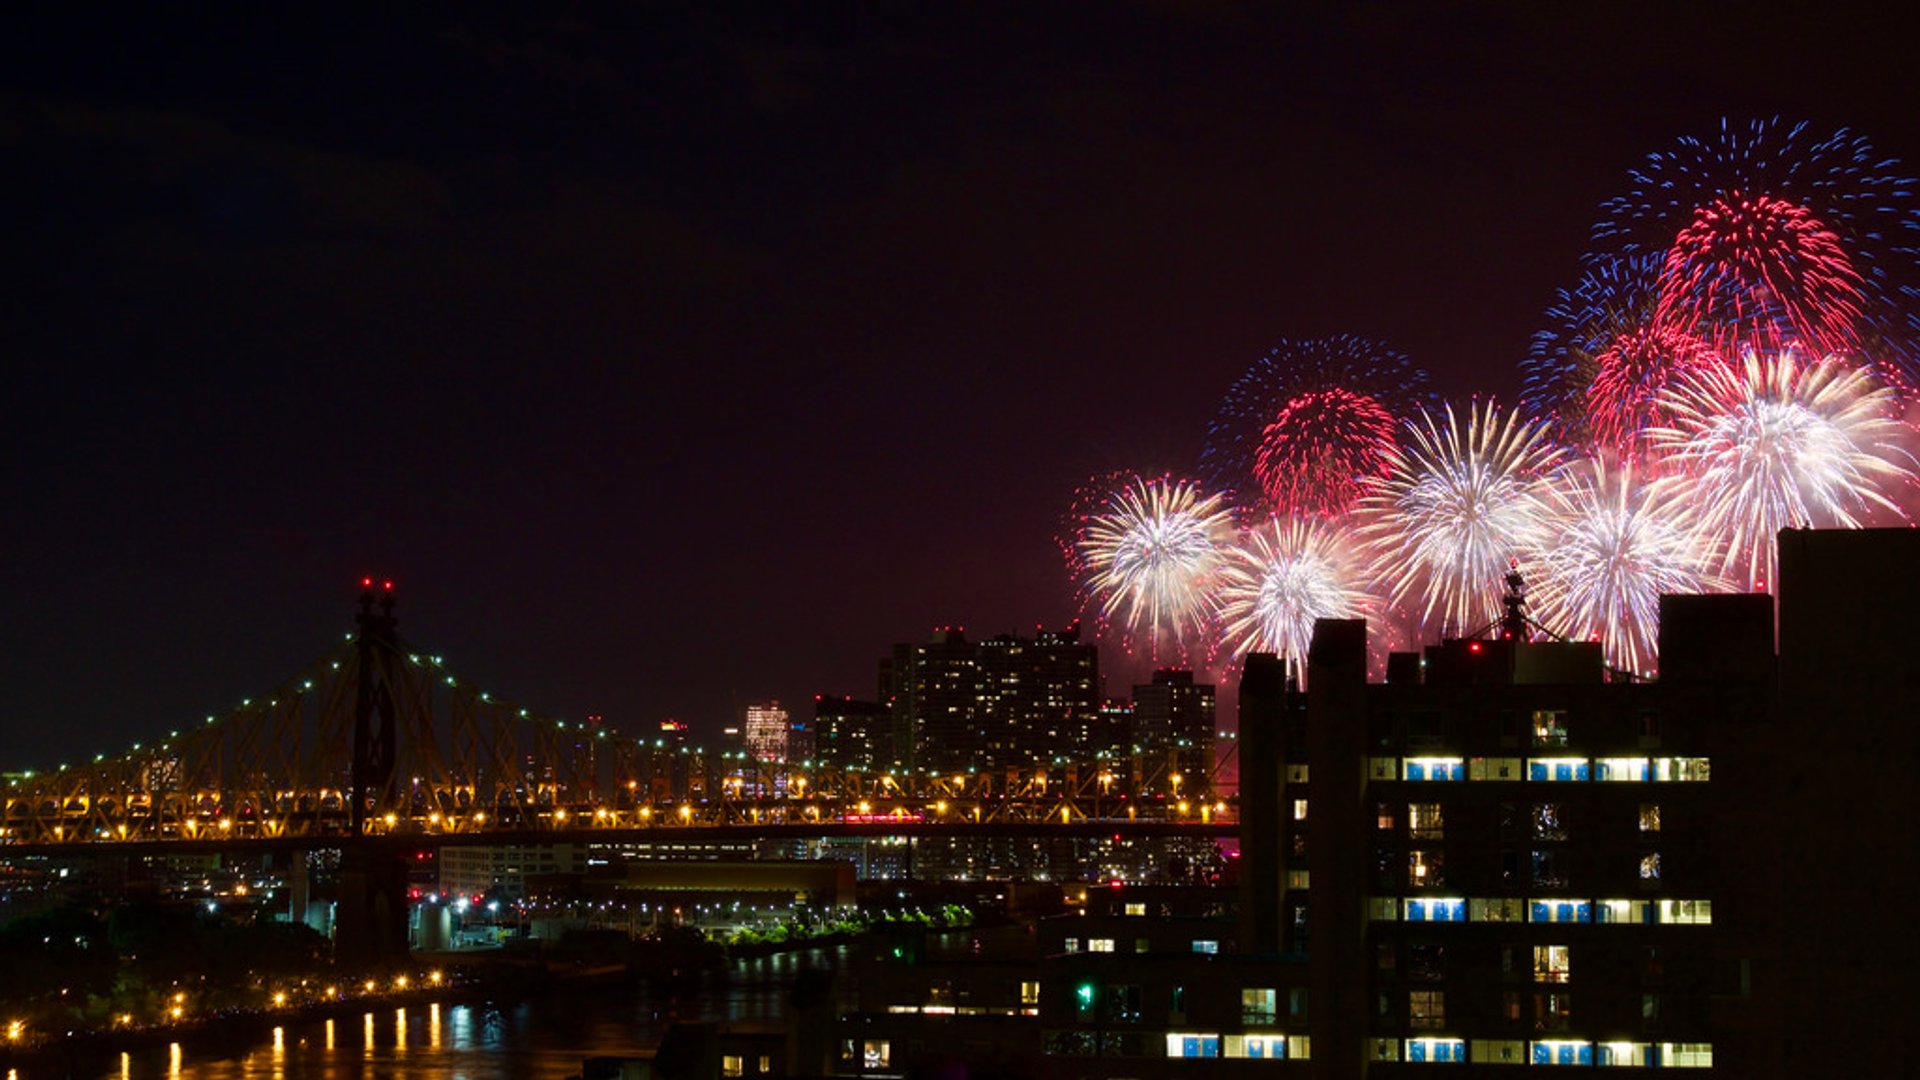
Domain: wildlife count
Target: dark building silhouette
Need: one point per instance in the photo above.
(1501, 856)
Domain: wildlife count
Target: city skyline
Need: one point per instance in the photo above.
(684, 361)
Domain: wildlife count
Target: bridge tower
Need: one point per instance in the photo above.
(370, 923)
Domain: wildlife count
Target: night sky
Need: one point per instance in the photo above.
(693, 356)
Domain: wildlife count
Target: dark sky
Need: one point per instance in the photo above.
(694, 355)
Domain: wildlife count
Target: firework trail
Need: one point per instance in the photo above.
(1812, 240)
(1775, 442)
(1460, 502)
(1148, 552)
(1612, 546)
(1310, 426)
(1283, 576)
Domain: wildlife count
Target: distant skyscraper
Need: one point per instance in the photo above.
(852, 734)
(1174, 715)
(1038, 699)
(1007, 702)
(935, 696)
(673, 734)
(766, 732)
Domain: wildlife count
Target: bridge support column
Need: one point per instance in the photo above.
(370, 918)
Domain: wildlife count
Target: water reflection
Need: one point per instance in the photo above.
(544, 1039)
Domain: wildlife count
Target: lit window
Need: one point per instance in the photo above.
(1549, 727)
(1427, 1009)
(1296, 774)
(1552, 1011)
(876, 1053)
(1559, 1052)
(1425, 821)
(1680, 769)
(1259, 1005)
(1382, 817)
(1424, 910)
(1618, 770)
(1206, 947)
(1550, 963)
(1261, 1047)
(1557, 769)
(1434, 768)
(1649, 817)
(766, 1063)
(1549, 821)
(1299, 809)
(1626, 911)
(1623, 1053)
(1687, 912)
(1383, 1049)
(1100, 944)
(1559, 911)
(1383, 909)
(1298, 879)
(1182, 1045)
(1650, 867)
(1499, 768)
(1426, 869)
(1686, 1055)
(733, 1065)
(1436, 1050)
(1383, 768)
(1499, 1051)
(1072, 944)
(1136, 908)
(1030, 992)
(1498, 909)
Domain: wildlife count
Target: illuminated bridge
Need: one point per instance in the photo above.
(378, 744)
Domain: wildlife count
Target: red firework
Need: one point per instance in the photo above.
(1623, 401)
(1323, 451)
(1765, 261)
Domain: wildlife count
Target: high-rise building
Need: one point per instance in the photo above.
(935, 697)
(1507, 855)
(1038, 698)
(1173, 726)
(765, 732)
(1007, 702)
(849, 733)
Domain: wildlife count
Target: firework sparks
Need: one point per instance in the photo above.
(1623, 402)
(1774, 443)
(1280, 579)
(1612, 547)
(1310, 425)
(1149, 553)
(1758, 254)
(1809, 239)
(1460, 502)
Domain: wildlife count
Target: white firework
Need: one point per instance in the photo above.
(1775, 442)
(1280, 579)
(1611, 548)
(1459, 503)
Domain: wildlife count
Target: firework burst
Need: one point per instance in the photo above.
(1611, 548)
(1774, 443)
(1624, 399)
(1460, 502)
(1311, 424)
(1148, 553)
(1810, 239)
(1282, 577)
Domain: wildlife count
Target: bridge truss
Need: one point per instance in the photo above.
(461, 765)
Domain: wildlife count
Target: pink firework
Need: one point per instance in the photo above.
(1323, 451)
(1624, 400)
(1776, 269)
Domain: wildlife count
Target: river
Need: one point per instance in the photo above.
(541, 1039)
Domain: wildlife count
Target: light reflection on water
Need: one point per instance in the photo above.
(544, 1039)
